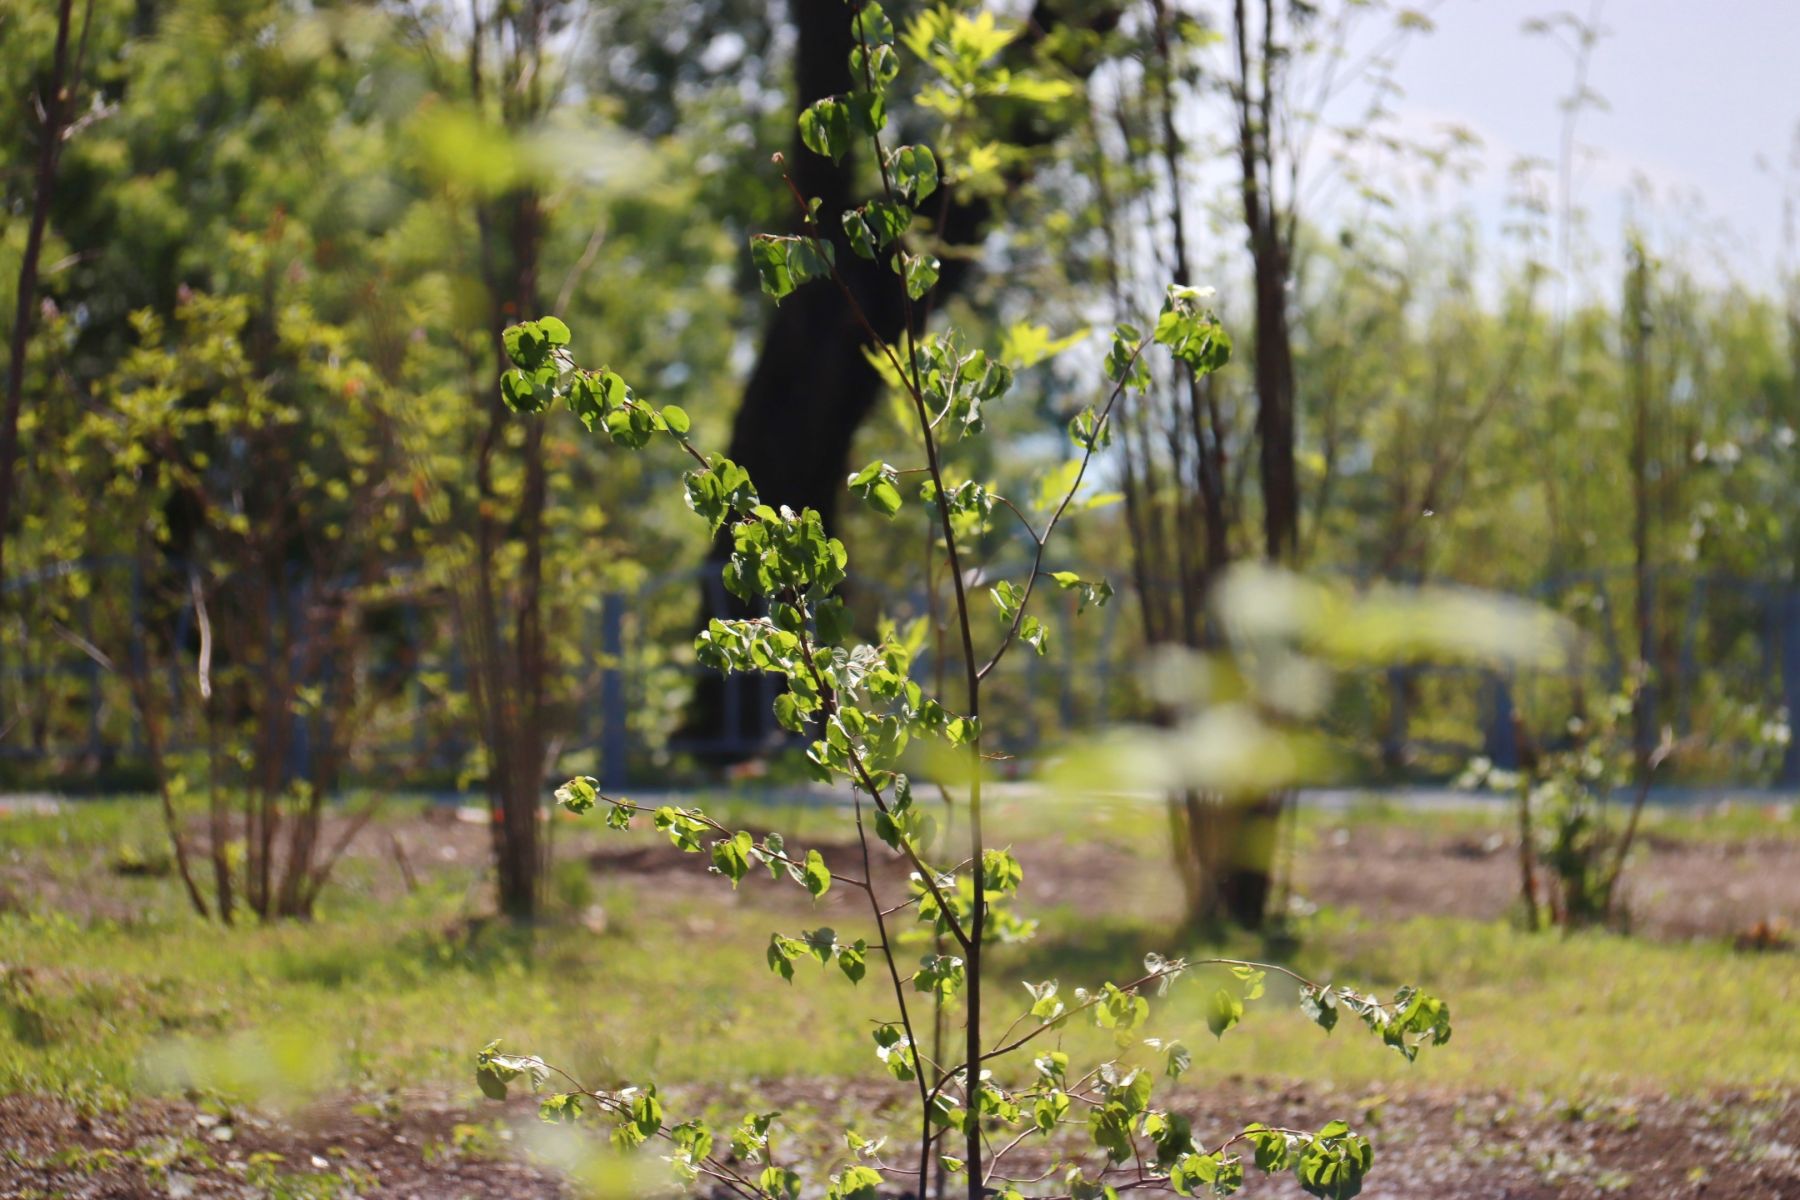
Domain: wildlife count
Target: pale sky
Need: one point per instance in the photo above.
(1696, 91)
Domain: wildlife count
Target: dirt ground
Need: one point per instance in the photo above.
(1485, 1147)
(1429, 1147)
(1673, 888)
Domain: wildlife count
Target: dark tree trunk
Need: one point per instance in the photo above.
(514, 661)
(500, 612)
(1230, 856)
(1275, 404)
(812, 386)
(55, 109)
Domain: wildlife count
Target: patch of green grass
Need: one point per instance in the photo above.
(81, 825)
(1561, 1014)
(391, 994)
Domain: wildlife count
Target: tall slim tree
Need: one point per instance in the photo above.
(500, 601)
(56, 103)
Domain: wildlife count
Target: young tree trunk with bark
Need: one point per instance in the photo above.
(65, 77)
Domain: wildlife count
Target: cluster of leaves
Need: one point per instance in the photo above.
(1564, 792)
(860, 708)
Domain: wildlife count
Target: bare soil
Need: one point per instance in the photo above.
(1429, 1147)
(1673, 888)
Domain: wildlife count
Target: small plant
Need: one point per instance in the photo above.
(1004, 1089)
(1571, 853)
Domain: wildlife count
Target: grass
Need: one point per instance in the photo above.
(382, 994)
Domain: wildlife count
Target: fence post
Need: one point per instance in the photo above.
(139, 664)
(1502, 739)
(614, 737)
(1790, 687)
(1393, 744)
(95, 749)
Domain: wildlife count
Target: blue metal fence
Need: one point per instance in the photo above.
(1743, 636)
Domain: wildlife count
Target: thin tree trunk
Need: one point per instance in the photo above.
(144, 698)
(1637, 332)
(56, 109)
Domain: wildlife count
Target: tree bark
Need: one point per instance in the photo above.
(812, 386)
(56, 111)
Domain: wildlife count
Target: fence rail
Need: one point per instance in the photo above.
(1732, 647)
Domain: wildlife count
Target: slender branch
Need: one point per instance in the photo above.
(1037, 562)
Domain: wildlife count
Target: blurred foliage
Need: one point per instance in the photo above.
(1463, 405)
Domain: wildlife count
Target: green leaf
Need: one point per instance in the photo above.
(1252, 978)
(731, 856)
(1094, 592)
(494, 1070)
(875, 226)
(527, 344)
(1172, 1135)
(1120, 1010)
(1191, 332)
(920, 272)
(1089, 430)
(1320, 1007)
(1007, 597)
(817, 878)
(895, 1050)
(1033, 634)
(1026, 344)
(693, 1142)
(1215, 1172)
(856, 1183)
(825, 127)
(788, 713)
(554, 331)
(646, 1113)
(1124, 362)
(1046, 1006)
(878, 485)
(1110, 1127)
(562, 1108)
(822, 943)
(1001, 873)
(1334, 1163)
(1048, 1111)
(1272, 1147)
(785, 263)
(782, 952)
(676, 419)
(871, 26)
(853, 960)
(578, 795)
(770, 257)
(682, 826)
(522, 395)
(939, 973)
(876, 66)
(750, 1140)
(915, 172)
(1223, 1011)
(779, 1182)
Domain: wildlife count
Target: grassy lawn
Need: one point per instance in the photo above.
(133, 996)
